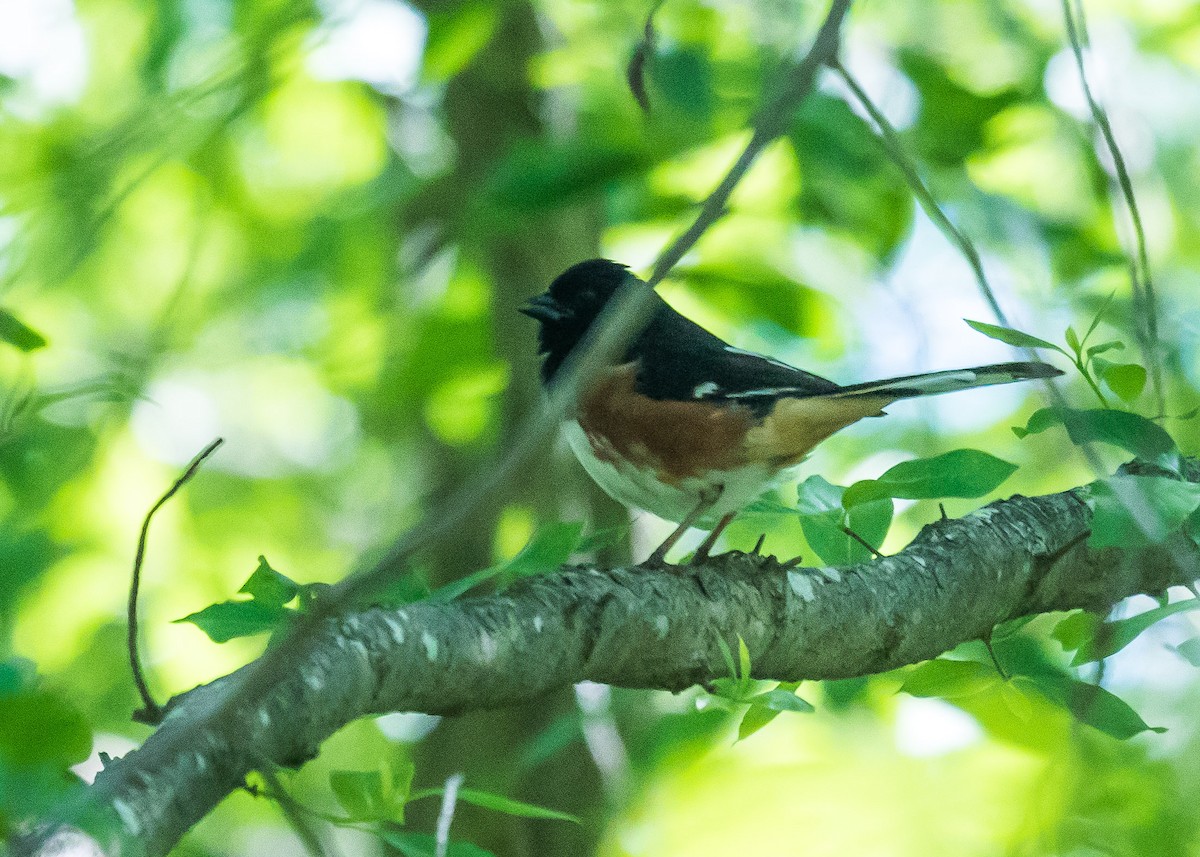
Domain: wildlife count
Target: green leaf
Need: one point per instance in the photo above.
(960, 473)
(1135, 511)
(829, 541)
(1011, 337)
(755, 718)
(822, 519)
(1075, 630)
(463, 585)
(1072, 339)
(16, 333)
(871, 520)
(1192, 526)
(1091, 704)
(1133, 433)
(509, 806)
(1099, 315)
(267, 586)
(1111, 345)
(402, 777)
(768, 506)
(727, 654)
(949, 679)
(743, 659)
(550, 547)
(1190, 649)
(602, 539)
(361, 794)
(782, 699)
(1016, 699)
(739, 686)
(412, 844)
(1110, 637)
(1127, 380)
(961, 125)
(223, 622)
(815, 496)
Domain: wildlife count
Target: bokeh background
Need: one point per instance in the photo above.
(306, 227)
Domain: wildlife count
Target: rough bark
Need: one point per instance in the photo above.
(631, 627)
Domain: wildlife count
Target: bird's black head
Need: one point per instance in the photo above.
(568, 308)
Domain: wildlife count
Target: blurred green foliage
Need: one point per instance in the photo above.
(306, 226)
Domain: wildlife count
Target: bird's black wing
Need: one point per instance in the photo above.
(679, 360)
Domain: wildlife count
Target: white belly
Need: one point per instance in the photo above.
(637, 486)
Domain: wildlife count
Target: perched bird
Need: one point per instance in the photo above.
(692, 429)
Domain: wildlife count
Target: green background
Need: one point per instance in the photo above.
(306, 228)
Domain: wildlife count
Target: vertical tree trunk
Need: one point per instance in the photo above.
(489, 106)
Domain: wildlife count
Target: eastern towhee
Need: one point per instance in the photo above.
(688, 427)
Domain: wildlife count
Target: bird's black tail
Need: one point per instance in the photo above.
(933, 383)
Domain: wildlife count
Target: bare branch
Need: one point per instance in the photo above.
(891, 143)
(1145, 300)
(151, 712)
(635, 72)
(771, 122)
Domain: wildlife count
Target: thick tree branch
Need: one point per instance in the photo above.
(631, 627)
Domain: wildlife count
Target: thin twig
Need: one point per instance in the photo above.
(1048, 561)
(772, 120)
(1143, 285)
(151, 712)
(862, 542)
(891, 142)
(987, 643)
(446, 813)
(635, 72)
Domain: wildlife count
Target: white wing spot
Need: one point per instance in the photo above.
(705, 389)
(764, 391)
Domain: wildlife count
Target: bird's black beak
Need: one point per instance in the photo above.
(545, 309)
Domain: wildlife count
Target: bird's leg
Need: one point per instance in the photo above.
(707, 500)
(659, 557)
(701, 553)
